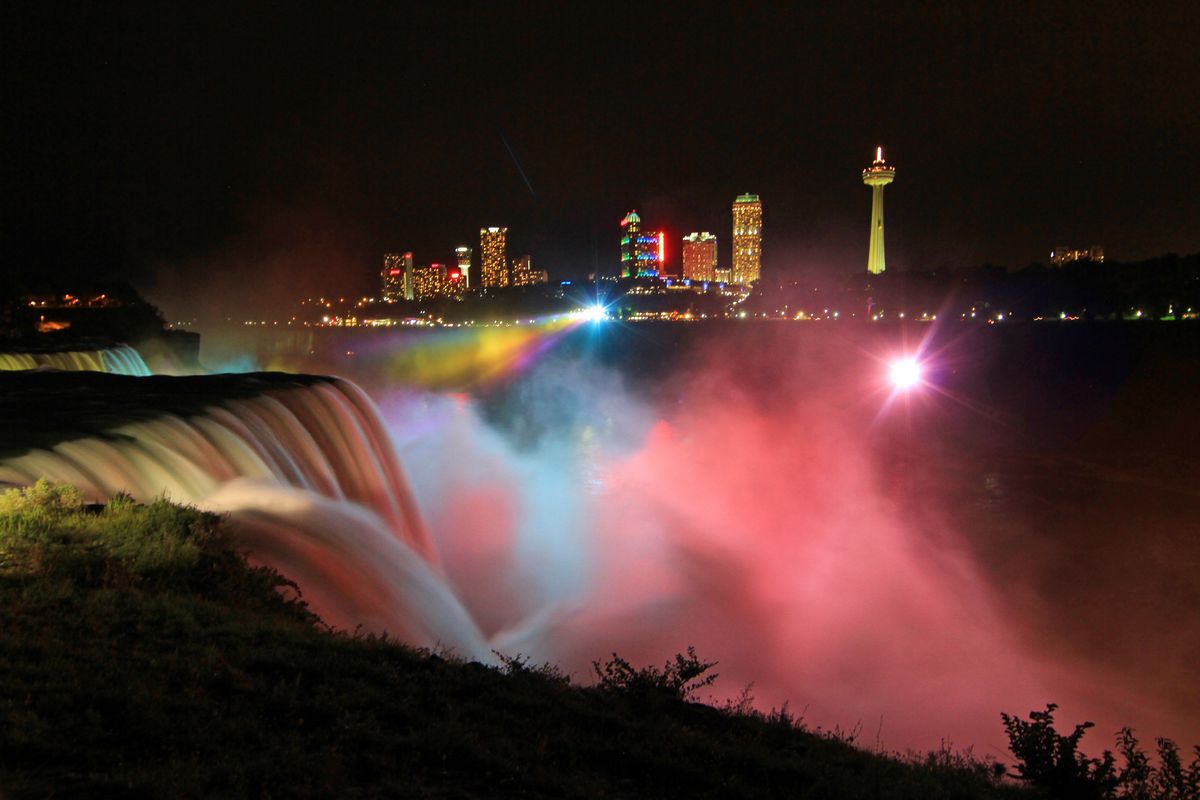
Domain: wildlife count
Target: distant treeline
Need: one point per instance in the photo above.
(76, 309)
(1160, 287)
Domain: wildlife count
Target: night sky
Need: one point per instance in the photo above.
(201, 149)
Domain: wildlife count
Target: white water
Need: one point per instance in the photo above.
(119, 360)
(815, 591)
(312, 486)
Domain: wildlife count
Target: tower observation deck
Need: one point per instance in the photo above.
(877, 176)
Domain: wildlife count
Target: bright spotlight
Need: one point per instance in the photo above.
(595, 313)
(905, 373)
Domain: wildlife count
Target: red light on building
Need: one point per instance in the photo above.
(662, 249)
(393, 272)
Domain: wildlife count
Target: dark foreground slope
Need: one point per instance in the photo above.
(141, 656)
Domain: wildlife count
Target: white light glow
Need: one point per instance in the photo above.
(905, 373)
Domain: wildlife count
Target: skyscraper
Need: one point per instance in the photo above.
(397, 277)
(408, 276)
(462, 255)
(877, 176)
(700, 257)
(493, 258)
(640, 252)
(427, 281)
(392, 277)
(747, 239)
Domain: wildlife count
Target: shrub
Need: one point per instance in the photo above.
(42, 495)
(521, 666)
(1051, 761)
(679, 678)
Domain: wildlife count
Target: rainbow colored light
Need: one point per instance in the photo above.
(480, 354)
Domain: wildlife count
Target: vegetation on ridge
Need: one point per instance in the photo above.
(1052, 761)
(142, 656)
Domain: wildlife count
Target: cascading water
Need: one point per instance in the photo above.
(313, 487)
(793, 568)
(124, 360)
(119, 360)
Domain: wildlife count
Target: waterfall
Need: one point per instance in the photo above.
(312, 486)
(119, 360)
(124, 360)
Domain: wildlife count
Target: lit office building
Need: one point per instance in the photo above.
(747, 239)
(519, 270)
(493, 258)
(462, 255)
(427, 281)
(392, 277)
(641, 252)
(523, 273)
(454, 282)
(700, 257)
(1064, 255)
(408, 276)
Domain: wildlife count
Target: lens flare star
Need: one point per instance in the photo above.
(905, 374)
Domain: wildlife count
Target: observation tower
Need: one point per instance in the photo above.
(877, 176)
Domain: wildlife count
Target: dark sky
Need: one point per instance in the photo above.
(254, 155)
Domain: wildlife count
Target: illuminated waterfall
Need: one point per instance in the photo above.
(312, 486)
(119, 360)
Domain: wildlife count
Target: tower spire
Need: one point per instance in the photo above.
(877, 176)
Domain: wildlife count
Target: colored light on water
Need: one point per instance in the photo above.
(479, 353)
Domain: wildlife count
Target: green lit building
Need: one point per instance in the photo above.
(641, 252)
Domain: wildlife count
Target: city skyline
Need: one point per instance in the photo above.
(643, 255)
(188, 151)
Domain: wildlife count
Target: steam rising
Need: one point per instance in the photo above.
(762, 541)
(577, 517)
(759, 497)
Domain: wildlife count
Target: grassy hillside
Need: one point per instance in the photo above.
(141, 656)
